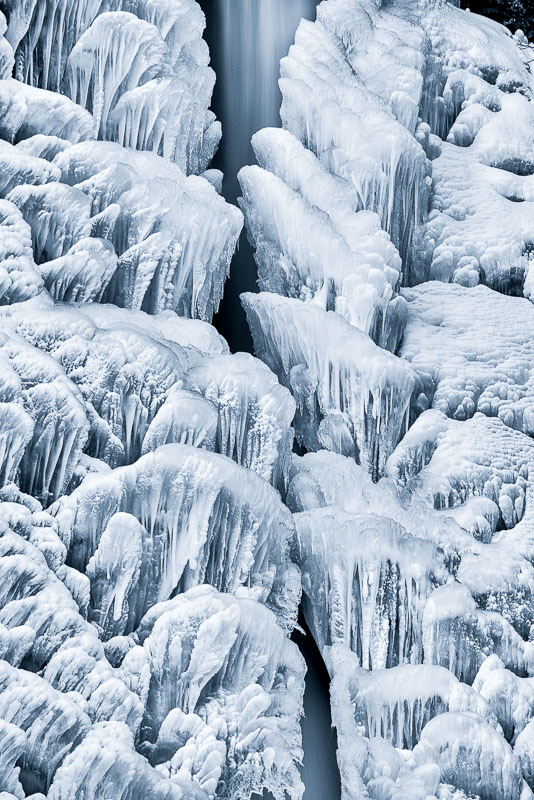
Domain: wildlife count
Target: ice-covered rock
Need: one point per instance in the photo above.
(345, 263)
(19, 275)
(255, 413)
(221, 669)
(472, 756)
(352, 397)
(105, 761)
(205, 520)
(174, 236)
(471, 347)
(139, 67)
(365, 583)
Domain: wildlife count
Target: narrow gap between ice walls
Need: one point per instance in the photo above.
(247, 39)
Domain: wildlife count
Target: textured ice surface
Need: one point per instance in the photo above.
(123, 672)
(150, 573)
(202, 519)
(472, 349)
(352, 397)
(140, 67)
(405, 160)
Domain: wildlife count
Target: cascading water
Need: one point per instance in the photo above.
(247, 39)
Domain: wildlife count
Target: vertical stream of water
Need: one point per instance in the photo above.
(247, 39)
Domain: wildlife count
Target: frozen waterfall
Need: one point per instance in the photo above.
(247, 39)
(306, 573)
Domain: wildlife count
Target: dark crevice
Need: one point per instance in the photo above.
(319, 771)
(245, 57)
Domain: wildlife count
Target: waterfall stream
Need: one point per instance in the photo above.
(247, 39)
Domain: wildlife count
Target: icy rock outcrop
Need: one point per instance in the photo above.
(139, 67)
(345, 263)
(203, 518)
(353, 399)
(405, 156)
(220, 663)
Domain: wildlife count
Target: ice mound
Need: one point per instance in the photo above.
(203, 519)
(174, 236)
(218, 662)
(365, 583)
(346, 262)
(353, 399)
(140, 68)
(58, 724)
(138, 389)
(483, 344)
(479, 103)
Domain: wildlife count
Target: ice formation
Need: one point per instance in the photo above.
(165, 504)
(147, 584)
(393, 212)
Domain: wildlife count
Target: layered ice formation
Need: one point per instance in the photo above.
(391, 219)
(165, 504)
(147, 583)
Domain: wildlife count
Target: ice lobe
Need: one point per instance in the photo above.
(345, 263)
(28, 111)
(174, 236)
(205, 519)
(105, 761)
(472, 756)
(221, 663)
(459, 635)
(19, 275)
(349, 124)
(254, 413)
(140, 68)
(142, 390)
(117, 53)
(365, 583)
(353, 399)
(52, 722)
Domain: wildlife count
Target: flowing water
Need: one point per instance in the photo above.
(247, 39)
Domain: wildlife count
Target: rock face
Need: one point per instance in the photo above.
(157, 527)
(392, 219)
